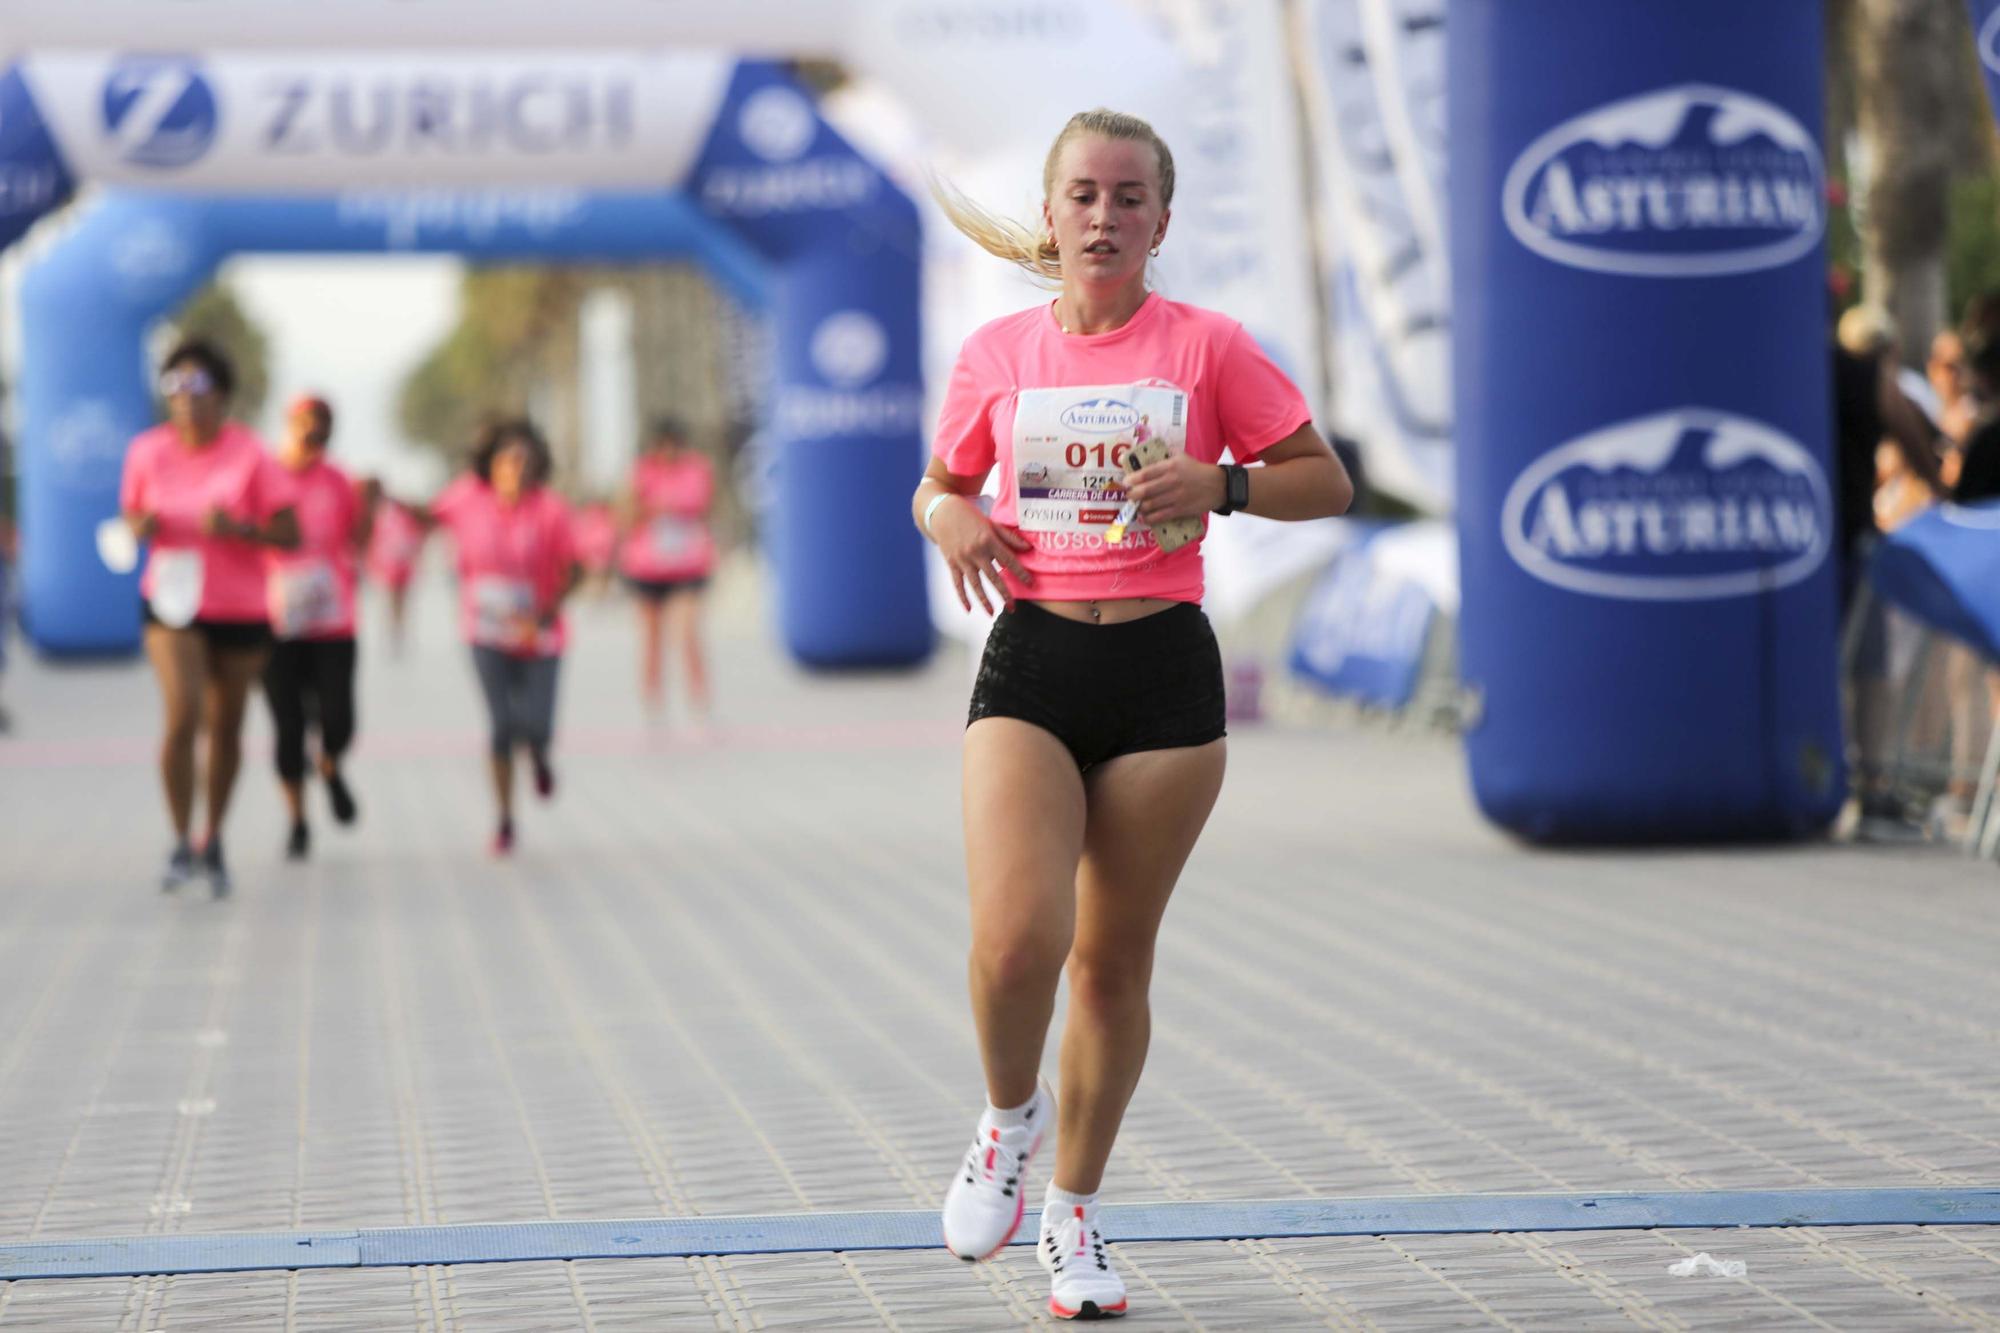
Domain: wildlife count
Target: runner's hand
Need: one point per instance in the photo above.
(217, 523)
(975, 548)
(1180, 487)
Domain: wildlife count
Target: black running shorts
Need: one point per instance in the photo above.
(1104, 690)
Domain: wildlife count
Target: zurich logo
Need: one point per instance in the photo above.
(849, 348)
(1677, 506)
(777, 124)
(159, 111)
(1100, 416)
(1687, 181)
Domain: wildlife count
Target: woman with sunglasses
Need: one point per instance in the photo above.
(309, 680)
(208, 497)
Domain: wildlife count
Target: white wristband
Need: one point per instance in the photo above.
(931, 508)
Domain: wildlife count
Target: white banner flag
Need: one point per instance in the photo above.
(1375, 91)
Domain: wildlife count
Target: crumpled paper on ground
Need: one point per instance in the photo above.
(1707, 1266)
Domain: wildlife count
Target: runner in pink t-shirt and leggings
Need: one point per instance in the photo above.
(517, 565)
(204, 493)
(309, 681)
(1094, 749)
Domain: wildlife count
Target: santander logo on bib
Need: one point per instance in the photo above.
(1100, 416)
(1688, 181)
(1681, 505)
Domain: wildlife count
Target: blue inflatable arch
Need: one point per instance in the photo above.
(819, 239)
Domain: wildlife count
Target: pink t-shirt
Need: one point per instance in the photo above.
(179, 485)
(1057, 411)
(671, 539)
(513, 561)
(312, 587)
(393, 545)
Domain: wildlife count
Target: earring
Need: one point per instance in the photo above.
(1154, 252)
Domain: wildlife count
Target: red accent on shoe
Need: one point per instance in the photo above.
(1062, 1311)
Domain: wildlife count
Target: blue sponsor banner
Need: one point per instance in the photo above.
(848, 400)
(1647, 523)
(1362, 631)
(33, 178)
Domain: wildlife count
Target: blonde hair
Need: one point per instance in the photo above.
(1007, 239)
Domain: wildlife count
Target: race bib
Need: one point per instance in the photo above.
(177, 584)
(1069, 451)
(497, 607)
(305, 600)
(672, 538)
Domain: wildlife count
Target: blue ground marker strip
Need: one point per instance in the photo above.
(792, 1233)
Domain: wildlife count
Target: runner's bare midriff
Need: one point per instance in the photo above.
(1108, 611)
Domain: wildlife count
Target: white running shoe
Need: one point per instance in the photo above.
(1084, 1285)
(983, 1207)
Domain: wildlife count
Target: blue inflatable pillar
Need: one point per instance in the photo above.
(846, 247)
(1646, 513)
(85, 391)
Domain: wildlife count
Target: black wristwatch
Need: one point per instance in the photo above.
(1236, 488)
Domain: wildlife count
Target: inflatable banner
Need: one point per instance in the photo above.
(772, 201)
(1646, 515)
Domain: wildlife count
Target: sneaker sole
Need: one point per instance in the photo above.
(1020, 1211)
(1088, 1310)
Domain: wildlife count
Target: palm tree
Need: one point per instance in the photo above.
(1912, 87)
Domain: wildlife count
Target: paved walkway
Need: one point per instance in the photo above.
(725, 975)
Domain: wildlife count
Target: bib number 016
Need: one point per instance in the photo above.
(1084, 455)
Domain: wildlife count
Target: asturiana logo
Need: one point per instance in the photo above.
(1100, 416)
(1681, 505)
(1989, 41)
(1688, 181)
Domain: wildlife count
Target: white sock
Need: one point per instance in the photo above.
(1006, 1118)
(1062, 1203)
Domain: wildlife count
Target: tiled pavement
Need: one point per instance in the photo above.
(725, 975)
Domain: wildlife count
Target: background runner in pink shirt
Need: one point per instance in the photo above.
(666, 555)
(597, 544)
(394, 544)
(209, 499)
(516, 558)
(309, 681)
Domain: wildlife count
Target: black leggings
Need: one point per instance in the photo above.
(308, 681)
